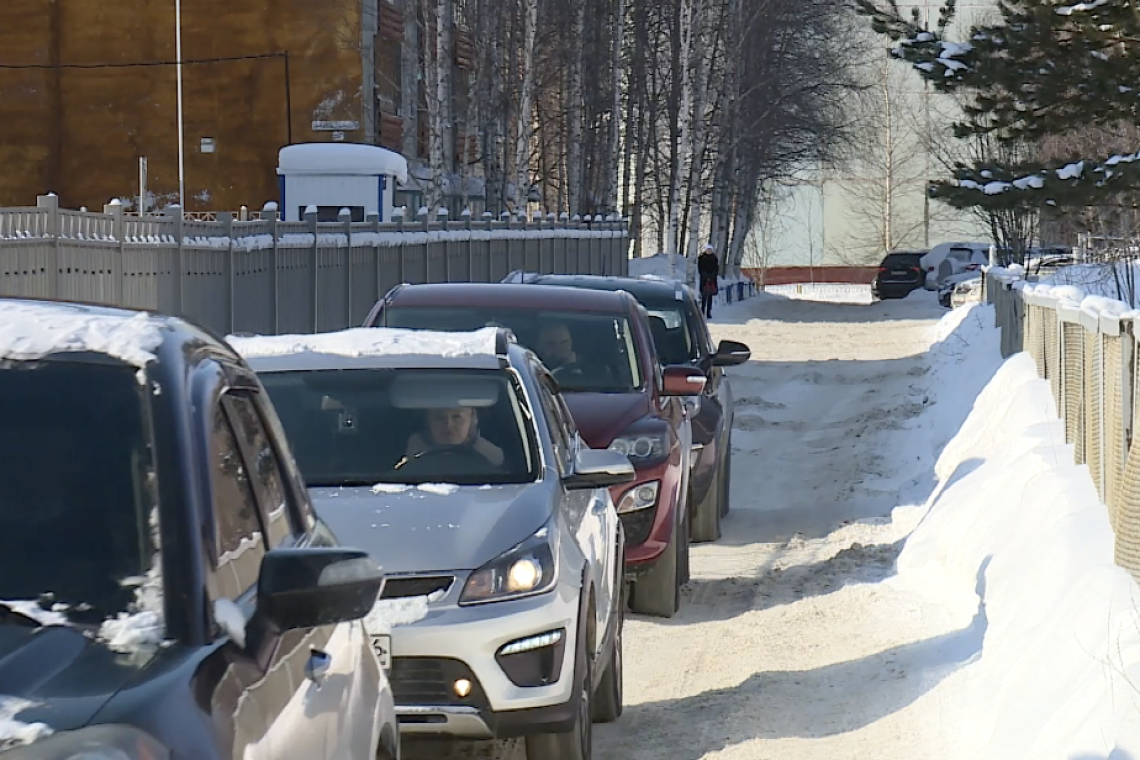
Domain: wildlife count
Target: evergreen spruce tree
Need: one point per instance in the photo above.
(1047, 68)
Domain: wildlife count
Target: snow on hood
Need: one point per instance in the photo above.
(32, 609)
(387, 614)
(31, 331)
(367, 342)
(14, 733)
(140, 630)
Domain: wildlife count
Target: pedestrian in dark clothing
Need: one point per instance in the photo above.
(708, 267)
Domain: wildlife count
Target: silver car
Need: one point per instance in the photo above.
(453, 459)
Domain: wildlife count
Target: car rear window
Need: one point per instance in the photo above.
(75, 486)
(405, 426)
(587, 352)
(901, 260)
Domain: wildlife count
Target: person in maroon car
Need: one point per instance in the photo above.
(555, 347)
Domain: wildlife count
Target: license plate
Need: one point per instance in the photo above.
(898, 271)
(382, 645)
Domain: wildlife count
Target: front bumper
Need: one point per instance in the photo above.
(454, 643)
(648, 531)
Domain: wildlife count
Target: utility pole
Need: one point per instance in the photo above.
(181, 123)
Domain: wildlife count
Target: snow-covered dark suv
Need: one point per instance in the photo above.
(168, 590)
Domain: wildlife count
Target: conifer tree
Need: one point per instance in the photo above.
(1047, 68)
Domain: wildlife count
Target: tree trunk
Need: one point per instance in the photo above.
(682, 158)
(495, 136)
(434, 11)
(612, 165)
(526, 106)
(445, 60)
(410, 67)
(575, 109)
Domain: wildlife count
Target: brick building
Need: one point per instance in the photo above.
(76, 114)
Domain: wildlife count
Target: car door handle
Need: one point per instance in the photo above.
(318, 665)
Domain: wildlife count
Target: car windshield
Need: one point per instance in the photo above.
(671, 336)
(75, 486)
(405, 426)
(585, 351)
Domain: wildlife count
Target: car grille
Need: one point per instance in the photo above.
(399, 588)
(637, 526)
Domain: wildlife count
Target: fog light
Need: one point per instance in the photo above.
(462, 688)
(639, 497)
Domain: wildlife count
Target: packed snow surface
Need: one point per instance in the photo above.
(913, 568)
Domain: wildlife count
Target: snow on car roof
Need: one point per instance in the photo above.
(364, 347)
(31, 330)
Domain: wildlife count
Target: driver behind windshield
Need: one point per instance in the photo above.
(452, 429)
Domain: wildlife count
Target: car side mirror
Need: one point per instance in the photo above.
(729, 353)
(680, 380)
(599, 468)
(313, 587)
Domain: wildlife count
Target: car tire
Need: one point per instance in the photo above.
(658, 592)
(706, 520)
(724, 491)
(608, 699)
(577, 743)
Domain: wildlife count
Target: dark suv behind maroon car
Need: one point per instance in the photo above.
(682, 337)
(599, 347)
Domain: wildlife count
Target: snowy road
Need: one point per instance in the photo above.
(790, 643)
(795, 639)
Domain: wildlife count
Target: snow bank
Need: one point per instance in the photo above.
(366, 342)
(30, 331)
(1019, 529)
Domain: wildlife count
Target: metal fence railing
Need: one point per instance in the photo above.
(1089, 359)
(269, 277)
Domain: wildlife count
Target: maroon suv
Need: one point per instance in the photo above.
(599, 347)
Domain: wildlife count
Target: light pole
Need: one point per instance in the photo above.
(181, 128)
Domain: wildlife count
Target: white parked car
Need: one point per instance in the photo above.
(454, 458)
(947, 259)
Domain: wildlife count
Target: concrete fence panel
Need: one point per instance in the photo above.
(268, 276)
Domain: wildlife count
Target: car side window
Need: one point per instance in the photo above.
(239, 540)
(268, 482)
(703, 337)
(558, 434)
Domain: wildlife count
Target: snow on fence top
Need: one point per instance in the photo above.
(341, 158)
(420, 348)
(30, 331)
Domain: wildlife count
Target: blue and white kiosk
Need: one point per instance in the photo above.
(333, 176)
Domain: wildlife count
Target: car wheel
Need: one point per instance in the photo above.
(608, 698)
(706, 520)
(658, 592)
(578, 742)
(725, 485)
(685, 554)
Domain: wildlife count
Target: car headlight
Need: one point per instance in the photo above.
(641, 496)
(106, 742)
(643, 444)
(526, 570)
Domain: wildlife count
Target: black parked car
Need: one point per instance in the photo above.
(899, 273)
(169, 591)
(682, 337)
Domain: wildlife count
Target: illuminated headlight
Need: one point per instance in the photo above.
(527, 569)
(642, 496)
